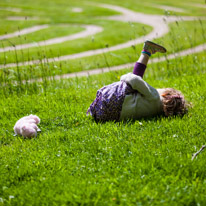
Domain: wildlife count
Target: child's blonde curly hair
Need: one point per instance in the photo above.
(173, 102)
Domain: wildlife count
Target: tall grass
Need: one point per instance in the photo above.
(181, 36)
(74, 160)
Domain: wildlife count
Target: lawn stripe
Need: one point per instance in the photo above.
(158, 22)
(24, 31)
(89, 30)
(186, 52)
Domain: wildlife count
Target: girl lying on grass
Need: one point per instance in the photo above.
(133, 98)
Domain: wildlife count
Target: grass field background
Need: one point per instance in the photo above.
(75, 161)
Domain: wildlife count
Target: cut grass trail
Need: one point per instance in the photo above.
(109, 37)
(182, 35)
(51, 32)
(78, 162)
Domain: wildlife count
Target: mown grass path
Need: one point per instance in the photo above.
(158, 22)
(89, 30)
(24, 31)
(186, 52)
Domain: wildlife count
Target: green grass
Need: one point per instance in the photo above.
(75, 161)
(182, 35)
(146, 7)
(114, 33)
(44, 34)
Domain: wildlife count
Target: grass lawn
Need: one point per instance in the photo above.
(75, 161)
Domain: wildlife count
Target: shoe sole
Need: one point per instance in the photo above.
(161, 49)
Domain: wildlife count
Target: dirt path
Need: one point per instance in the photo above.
(77, 10)
(158, 22)
(186, 52)
(89, 30)
(24, 31)
(12, 9)
(199, 5)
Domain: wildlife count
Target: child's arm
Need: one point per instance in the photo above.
(137, 83)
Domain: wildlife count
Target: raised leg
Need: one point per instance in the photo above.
(141, 64)
(148, 49)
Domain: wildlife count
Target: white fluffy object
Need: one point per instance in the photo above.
(27, 126)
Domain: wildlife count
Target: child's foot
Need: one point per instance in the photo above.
(152, 47)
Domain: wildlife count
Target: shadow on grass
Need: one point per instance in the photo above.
(130, 121)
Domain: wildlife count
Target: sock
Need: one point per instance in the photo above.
(146, 52)
(139, 69)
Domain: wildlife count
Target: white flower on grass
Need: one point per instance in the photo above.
(140, 123)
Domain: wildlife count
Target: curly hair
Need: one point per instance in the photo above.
(173, 102)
